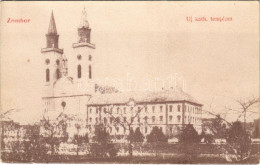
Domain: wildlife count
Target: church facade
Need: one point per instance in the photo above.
(71, 90)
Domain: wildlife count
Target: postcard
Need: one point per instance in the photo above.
(130, 82)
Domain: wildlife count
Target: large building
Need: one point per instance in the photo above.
(69, 88)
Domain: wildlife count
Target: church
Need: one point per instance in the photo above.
(71, 90)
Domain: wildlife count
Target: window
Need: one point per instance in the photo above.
(79, 71)
(145, 119)
(90, 110)
(89, 57)
(117, 129)
(124, 110)
(118, 120)
(47, 61)
(105, 110)
(79, 57)
(96, 120)
(117, 110)
(145, 109)
(161, 118)
(97, 110)
(145, 129)
(90, 119)
(179, 118)
(89, 72)
(111, 119)
(170, 108)
(179, 108)
(153, 109)
(58, 62)
(47, 75)
(105, 120)
(161, 108)
(57, 73)
(170, 118)
(153, 119)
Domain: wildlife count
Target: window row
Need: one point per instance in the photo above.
(119, 110)
(79, 57)
(57, 74)
(79, 69)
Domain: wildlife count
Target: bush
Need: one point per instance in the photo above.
(189, 135)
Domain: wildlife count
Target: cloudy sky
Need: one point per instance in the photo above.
(219, 61)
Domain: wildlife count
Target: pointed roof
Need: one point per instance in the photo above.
(84, 21)
(52, 27)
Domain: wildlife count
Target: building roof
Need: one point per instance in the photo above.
(142, 97)
(52, 27)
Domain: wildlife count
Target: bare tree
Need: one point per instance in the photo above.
(217, 128)
(246, 105)
(54, 130)
(127, 122)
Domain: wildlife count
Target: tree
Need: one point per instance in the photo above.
(79, 140)
(127, 122)
(138, 136)
(217, 126)
(208, 138)
(35, 149)
(155, 137)
(246, 105)
(256, 132)
(241, 151)
(55, 131)
(189, 138)
(189, 135)
(34, 144)
(103, 147)
(239, 141)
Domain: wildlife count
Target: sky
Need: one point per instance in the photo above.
(143, 41)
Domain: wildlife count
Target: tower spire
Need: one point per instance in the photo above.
(52, 37)
(84, 22)
(52, 27)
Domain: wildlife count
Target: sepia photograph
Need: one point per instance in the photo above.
(130, 82)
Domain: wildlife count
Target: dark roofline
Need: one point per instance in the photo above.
(159, 102)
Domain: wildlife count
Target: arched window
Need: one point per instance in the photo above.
(58, 62)
(179, 108)
(79, 71)
(89, 70)
(153, 119)
(57, 73)
(79, 57)
(170, 118)
(170, 108)
(179, 118)
(47, 75)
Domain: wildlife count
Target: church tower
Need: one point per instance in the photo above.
(52, 58)
(82, 58)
